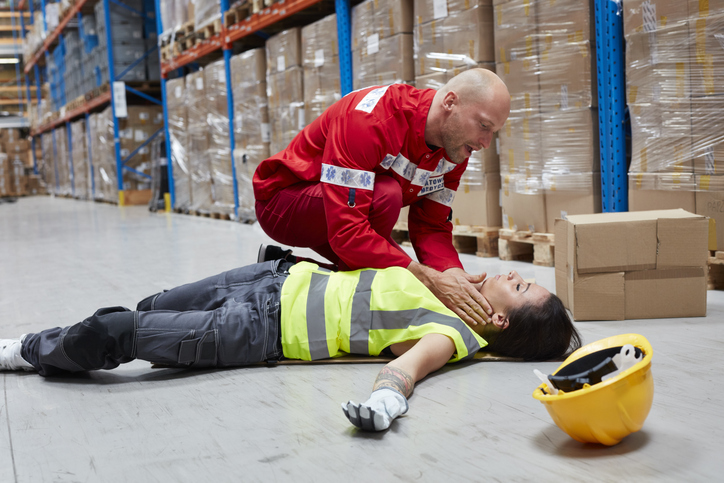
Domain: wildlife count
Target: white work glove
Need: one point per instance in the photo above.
(377, 413)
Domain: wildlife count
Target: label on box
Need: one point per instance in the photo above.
(319, 58)
(139, 135)
(238, 121)
(137, 34)
(653, 48)
(648, 12)
(143, 116)
(177, 92)
(143, 150)
(281, 64)
(119, 98)
(265, 132)
(373, 44)
(301, 124)
(564, 96)
(159, 118)
(709, 167)
(125, 133)
(439, 9)
(125, 153)
(199, 83)
(564, 215)
(506, 222)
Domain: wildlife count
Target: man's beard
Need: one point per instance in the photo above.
(453, 145)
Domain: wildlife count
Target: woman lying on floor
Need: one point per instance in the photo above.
(274, 310)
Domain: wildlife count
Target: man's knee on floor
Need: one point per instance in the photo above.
(106, 339)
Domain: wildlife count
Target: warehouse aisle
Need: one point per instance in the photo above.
(61, 259)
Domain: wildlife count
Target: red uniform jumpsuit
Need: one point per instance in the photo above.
(340, 184)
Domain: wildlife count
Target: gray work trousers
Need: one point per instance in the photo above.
(230, 319)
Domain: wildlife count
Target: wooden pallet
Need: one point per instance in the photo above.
(538, 248)
(715, 280)
(237, 13)
(208, 31)
(480, 240)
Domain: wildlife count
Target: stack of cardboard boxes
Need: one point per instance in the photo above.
(252, 131)
(549, 146)
(133, 130)
(64, 174)
(635, 265)
(321, 67)
(219, 147)
(675, 90)
(285, 87)
(178, 137)
(382, 44)
(198, 143)
(81, 166)
(15, 162)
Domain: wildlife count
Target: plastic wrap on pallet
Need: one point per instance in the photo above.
(382, 44)
(675, 91)
(174, 13)
(198, 143)
(219, 150)
(104, 159)
(206, 12)
(284, 51)
(46, 165)
(178, 139)
(252, 131)
(141, 123)
(456, 34)
(64, 185)
(81, 167)
(321, 67)
(286, 106)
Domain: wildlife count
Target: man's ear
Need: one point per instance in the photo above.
(450, 99)
(500, 321)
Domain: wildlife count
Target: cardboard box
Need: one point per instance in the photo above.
(616, 266)
(284, 51)
(393, 17)
(16, 147)
(430, 49)
(428, 10)
(652, 15)
(707, 141)
(10, 135)
(710, 203)
(661, 192)
(563, 204)
(469, 36)
(568, 77)
(520, 210)
(522, 79)
(707, 55)
(516, 30)
(572, 18)
(478, 205)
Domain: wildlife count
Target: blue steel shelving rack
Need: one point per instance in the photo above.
(611, 105)
(121, 163)
(225, 43)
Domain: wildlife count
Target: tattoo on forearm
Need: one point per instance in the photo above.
(396, 379)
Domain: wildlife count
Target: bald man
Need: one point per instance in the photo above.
(339, 186)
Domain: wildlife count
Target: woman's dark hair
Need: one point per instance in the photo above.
(538, 332)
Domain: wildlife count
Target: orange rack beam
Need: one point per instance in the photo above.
(87, 107)
(248, 26)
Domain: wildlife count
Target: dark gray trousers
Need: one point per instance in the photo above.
(230, 319)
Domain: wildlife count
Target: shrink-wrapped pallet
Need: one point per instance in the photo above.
(81, 166)
(321, 67)
(219, 148)
(251, 123)
(198, 143)
(178, 140)
(382, 44)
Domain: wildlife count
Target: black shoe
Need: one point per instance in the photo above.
(268, 253)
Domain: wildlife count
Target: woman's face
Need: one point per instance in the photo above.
(506, 292)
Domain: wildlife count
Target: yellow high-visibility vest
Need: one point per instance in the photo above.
(330, 314)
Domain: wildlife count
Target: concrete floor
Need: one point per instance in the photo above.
(61, 259)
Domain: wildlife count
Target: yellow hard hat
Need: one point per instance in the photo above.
(607, 411)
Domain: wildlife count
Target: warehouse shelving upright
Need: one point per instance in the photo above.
(115, 94)
(612, 105)
(224, 40)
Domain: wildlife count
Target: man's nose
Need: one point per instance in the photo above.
(486, 139)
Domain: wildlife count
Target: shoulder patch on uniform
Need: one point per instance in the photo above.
(368, 102)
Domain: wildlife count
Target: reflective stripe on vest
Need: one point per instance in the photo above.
(329, 314)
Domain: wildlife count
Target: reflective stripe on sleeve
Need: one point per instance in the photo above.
(348, 177)
(359, 332)
(444, 196)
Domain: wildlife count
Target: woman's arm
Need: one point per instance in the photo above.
(428, 355)
(396, 380)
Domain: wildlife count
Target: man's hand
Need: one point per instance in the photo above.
(454, 287)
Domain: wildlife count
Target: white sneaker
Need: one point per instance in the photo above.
(10, 358)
